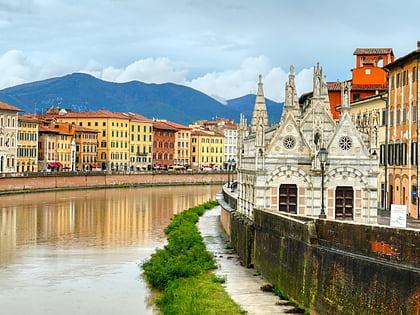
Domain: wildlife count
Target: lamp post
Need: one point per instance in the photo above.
(233, 168)
(322, 156)
(228, 170)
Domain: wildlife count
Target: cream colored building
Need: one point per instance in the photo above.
(370, 114)
(8, 137)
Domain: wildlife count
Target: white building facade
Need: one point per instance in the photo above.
(279, 167)
(8, 137)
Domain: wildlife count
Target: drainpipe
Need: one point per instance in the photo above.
(386, 144)
(417, 125)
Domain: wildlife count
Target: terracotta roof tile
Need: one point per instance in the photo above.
(373, 51)
(9, 107)
(163, 125)
(137, 117)
(336, 86)
(84, 129)
(97, 114)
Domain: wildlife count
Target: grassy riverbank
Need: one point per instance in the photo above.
(182, 270)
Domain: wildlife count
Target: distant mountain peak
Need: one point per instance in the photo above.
(83, 92)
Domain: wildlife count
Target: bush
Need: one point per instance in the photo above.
(185, 255)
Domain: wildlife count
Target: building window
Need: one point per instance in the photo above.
(288, 198)
(390, 154)
(404, 115)
(383, 121)
(344, 203)
(403, 153)
(398, 116)
(414, 158)
(382, 155)
(356, 96)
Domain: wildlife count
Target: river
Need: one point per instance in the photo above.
(77, 252)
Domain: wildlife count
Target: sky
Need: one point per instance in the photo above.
(216, 46)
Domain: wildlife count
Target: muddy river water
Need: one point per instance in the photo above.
(77, 252)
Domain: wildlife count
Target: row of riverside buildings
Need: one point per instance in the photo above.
(366, 129)
(62, 140)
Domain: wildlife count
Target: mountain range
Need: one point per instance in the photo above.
(173, 102)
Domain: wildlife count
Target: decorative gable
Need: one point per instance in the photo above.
(288, 140)
(347, 142)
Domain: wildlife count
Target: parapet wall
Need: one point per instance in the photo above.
(102, 179)
(332, 267)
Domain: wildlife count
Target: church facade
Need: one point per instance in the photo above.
(279, 167)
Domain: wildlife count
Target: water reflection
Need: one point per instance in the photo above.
(84, 246)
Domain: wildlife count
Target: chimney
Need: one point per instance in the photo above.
(418, 44)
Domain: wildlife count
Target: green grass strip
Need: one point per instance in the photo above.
(181, 270)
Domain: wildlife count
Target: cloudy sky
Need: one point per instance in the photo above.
(216, 46)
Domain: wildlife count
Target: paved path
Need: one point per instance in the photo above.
(242, 284)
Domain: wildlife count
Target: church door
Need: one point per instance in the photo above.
(288, 198)
(344, 203)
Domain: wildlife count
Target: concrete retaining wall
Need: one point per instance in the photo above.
(331, 267)
(90, 180)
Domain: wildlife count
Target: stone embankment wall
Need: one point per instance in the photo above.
(331, 267)
(45, 181)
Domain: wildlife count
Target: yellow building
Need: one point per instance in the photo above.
(64, 145)
(141, 141)
(207, 149)
(403, 126)
(113, 138)
(27, 151)
(182, 144)
(370, 114)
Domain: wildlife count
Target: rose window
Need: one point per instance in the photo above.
(345, 143)
(289, 142)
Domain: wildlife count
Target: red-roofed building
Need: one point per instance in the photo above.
(229, 129)
(141, 142)
(368, 78)
(8, 137)
(181, 144)
(47, 153)
(84, 144)
(27, 151)
(163, 144)
(207, 149)
(113, 150)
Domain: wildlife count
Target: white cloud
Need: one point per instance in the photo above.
(15, 68)
(149, 70)
(235, 83)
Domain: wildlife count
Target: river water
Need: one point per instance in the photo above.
(77, 252)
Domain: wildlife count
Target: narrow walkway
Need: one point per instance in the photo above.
(242, 284)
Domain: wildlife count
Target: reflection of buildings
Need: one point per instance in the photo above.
(104, 218)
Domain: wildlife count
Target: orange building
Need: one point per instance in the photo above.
(84, 155)
(368, 78)
(401, 156)
(181, 144)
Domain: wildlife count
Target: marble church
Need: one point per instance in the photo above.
(308, 164)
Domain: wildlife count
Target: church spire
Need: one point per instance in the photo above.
(345, 96)
(291, 99)
(259, 115)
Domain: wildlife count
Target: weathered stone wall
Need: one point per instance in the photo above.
(332, 267)
(75, 180)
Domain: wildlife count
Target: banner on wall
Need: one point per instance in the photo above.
(398, 216)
